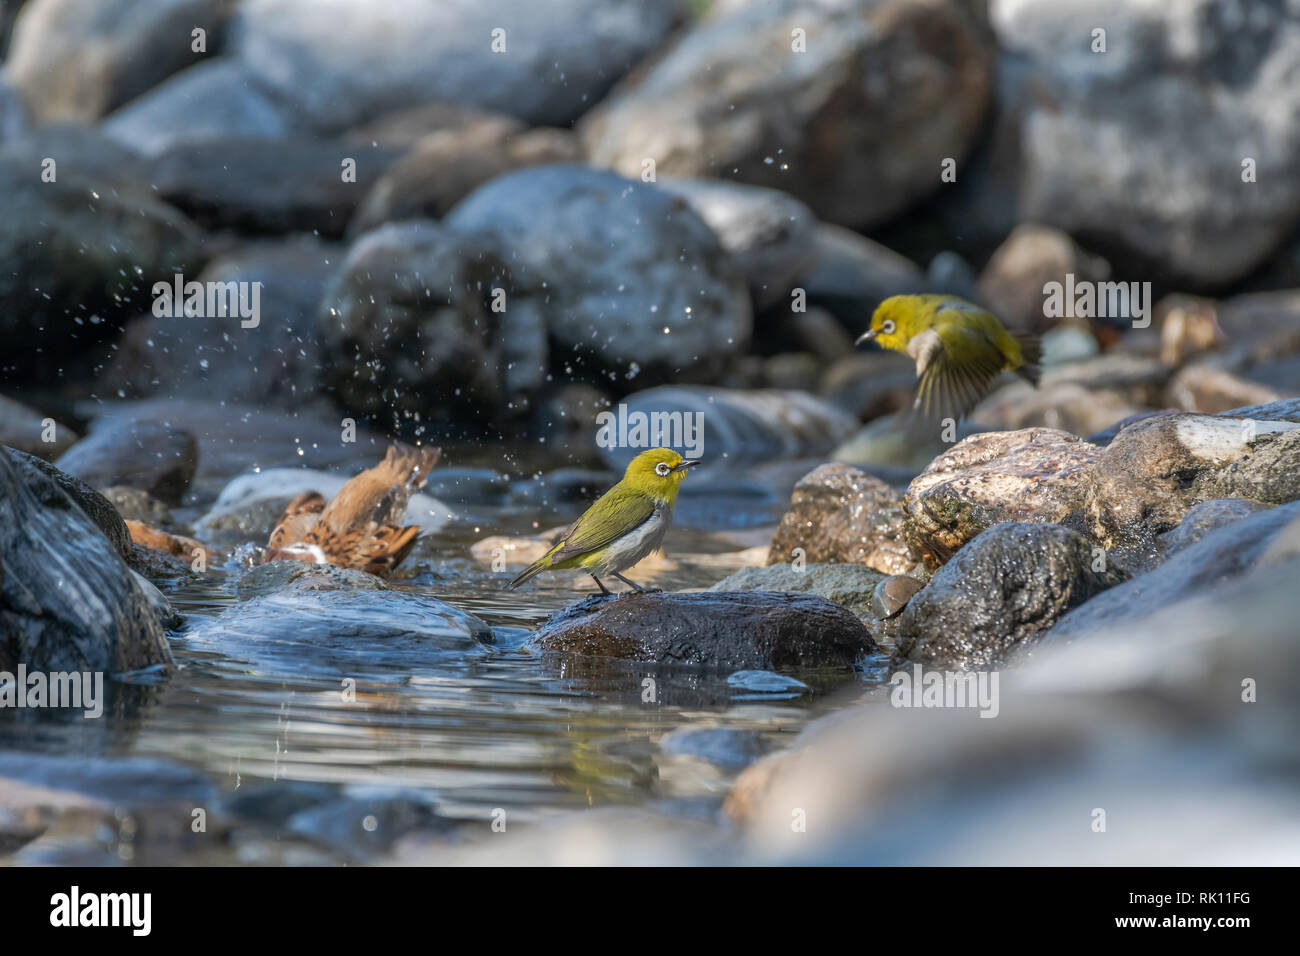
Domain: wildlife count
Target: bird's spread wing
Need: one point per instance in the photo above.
(948, 389)
(592, 531)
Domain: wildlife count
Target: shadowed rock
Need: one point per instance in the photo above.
(67, 600)
(999, 593)
(733, 629)
(150, 455)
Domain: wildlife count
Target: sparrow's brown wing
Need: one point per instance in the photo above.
(379, 495)
(300, 515)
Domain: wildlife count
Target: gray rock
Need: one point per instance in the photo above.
(1063, 405)
(727, 748)
(768, 234)
(1203, 387)
(73, 264)
(23, 428)
(362, 59)
(67, 600)
(13, 118)
(736, 98)
(611, 264)
(849, 585)
(1287, 410)
(82, 152)
(999, 594)
(267, 186)
(870, 384)
(1155, 470)
(154, 456)
(1204, 518)
(1038, 474)
(78, 59)
(850, 275)
(840, 514)
(732, 630)
(275, 363)
(1151, 183)
(93, 505)
(316, 620)
(1032, 256)
(444, 167)
(892, 595)
(213, 102)
(407, 324)
(136, 505)
(1212, 562)
(738, 425)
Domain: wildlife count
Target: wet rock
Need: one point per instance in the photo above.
(1204, 388)
(885, 449)
(67, 600)
(848, 585)
(738, 426)
(850, 274)
(136, 505)
(73, 265)
(840, 514)
(767, 233)
(1286, 410)
(26, 429)
(321, 619)
(1212, 562)
(210, 103)
(267, 186)
(92, 504)
(999, 594)
(355, 64)
(1151, 186)
(408, 325)
(446, 166)
(765, 685)
(1201, 519)
(1038, 474)
(565, 233)
(250, 519)
(738, 629)
(1107, 435)
(366, 823)
(154, 456)
(737, 99)
(1154, 471)
(1012, 283)
(893, 593)
(276, 362)
(78, 59)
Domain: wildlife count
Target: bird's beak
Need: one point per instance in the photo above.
(687, 463)
(866, 336)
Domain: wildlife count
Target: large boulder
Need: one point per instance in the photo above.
(1000, 593)
(153, 456)
(1119, 147)
(78, 59)
(1155, 470)
(74, 263)
(25, 429)
(1211, 562)
(729, 630)
(816, 99)
(407, 324)
(339, 61)
(849, 585)
(840, 514)
(627, 276)
(277, 362)
(213, 102)
(67, 600)
(1038, 474)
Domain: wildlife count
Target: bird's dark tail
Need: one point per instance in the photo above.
(1031, 349)
(531, 571)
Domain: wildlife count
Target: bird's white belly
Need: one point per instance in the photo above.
(635, 545)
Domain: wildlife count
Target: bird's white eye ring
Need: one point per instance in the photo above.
(887, 326)
(662, 469)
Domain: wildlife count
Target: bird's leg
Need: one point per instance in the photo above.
(603, 589)
(636, 587)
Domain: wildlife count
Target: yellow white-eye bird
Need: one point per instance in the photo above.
(959, 350)
(624, 525)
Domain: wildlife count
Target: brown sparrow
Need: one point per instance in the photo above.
(359, 528)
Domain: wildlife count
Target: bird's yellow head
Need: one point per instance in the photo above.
(658, 473)
(899, 318)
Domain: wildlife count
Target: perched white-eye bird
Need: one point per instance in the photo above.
(624, 525)
(959, 350)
